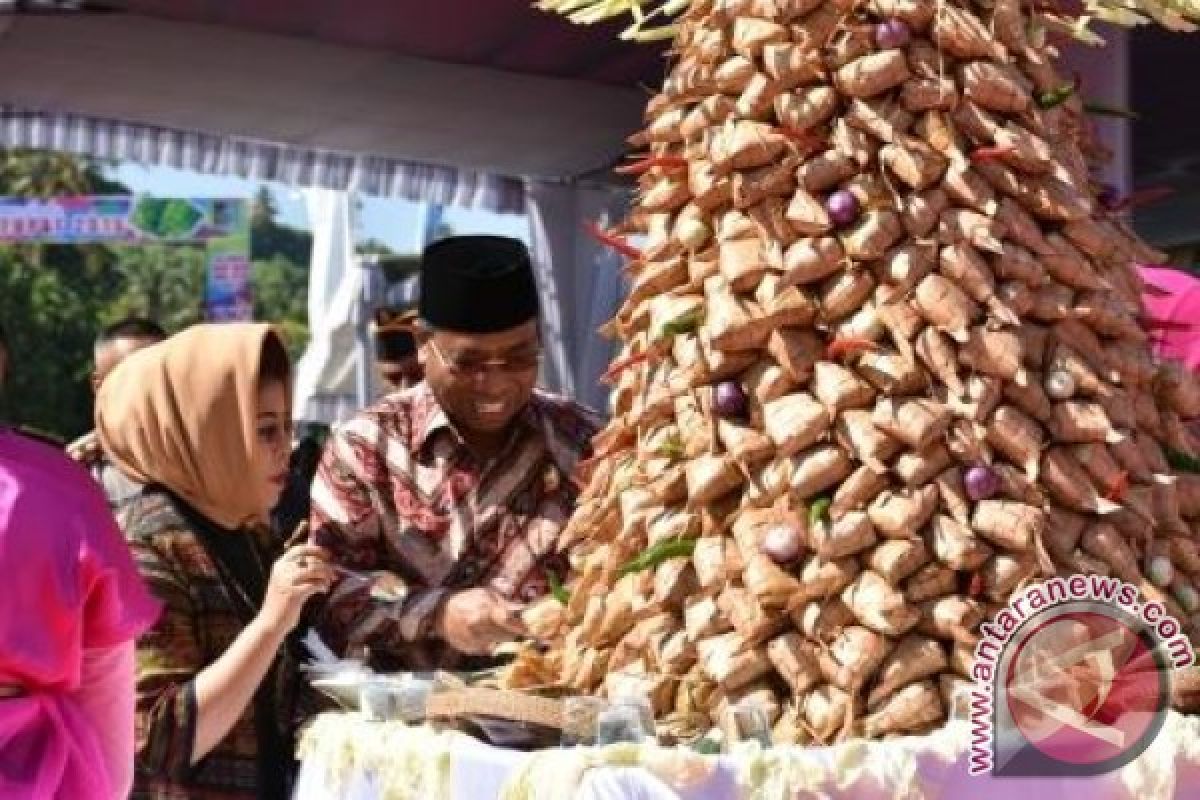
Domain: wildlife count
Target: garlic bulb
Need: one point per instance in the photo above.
(1059, 384)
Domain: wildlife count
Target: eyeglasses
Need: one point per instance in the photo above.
(478, 367)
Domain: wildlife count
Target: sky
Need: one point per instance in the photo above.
(397, 223)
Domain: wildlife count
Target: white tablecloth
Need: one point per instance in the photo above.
(346, 759)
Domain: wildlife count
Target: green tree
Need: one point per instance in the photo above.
(162, 282)
(54, 298)
(51, 297)
(49, 310)
(280, 257)
(375, 247)
(268, 238)
(262, 209)
(281, 297)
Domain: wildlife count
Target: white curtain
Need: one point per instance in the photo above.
(258, 160)
(580, 283)
(326, 388)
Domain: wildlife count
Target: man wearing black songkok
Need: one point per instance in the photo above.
(396, 350)
(450, 495)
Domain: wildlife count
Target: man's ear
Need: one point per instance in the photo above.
(422, 335)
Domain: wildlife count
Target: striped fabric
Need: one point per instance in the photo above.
(259, 160)
(199, 622)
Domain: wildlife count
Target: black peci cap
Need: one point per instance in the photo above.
(477, 284)
(394, 345)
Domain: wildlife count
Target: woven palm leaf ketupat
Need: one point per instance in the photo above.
(882, 366)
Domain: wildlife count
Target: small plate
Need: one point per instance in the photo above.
(343, 689)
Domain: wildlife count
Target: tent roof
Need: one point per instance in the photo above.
(489, 85)
(492, 86)
(507, 35)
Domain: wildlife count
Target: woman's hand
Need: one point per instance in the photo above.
(300, 573)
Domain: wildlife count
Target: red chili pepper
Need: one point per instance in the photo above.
(1152, 324)
(1120, 485)
(652, 162)
(609, 240)
(1142, 197)
(617, 367)
(981, 154)
(847, 345)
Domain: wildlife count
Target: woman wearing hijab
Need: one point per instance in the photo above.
(203, 421)
(73, 604)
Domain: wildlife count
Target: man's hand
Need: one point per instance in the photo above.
(475, 621)
(86, 449)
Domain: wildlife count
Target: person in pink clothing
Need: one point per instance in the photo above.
(1176, 303)
(71, 609)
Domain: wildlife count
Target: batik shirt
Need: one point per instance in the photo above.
(399, 490)
(204, 612)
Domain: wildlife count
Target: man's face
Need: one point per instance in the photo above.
(113, 353)
(402, 373)
(482, 381)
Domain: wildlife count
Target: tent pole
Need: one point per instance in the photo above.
(363, 353)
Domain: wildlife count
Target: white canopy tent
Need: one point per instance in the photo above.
(339, 103)
(339, 120)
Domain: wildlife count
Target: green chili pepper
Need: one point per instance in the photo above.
(626, 479)
(818, 510)
(653, 556)
(1105, 110)
(672, 448)
(684, 323)
(1055, 97)
(557, 589)
(1183, 462)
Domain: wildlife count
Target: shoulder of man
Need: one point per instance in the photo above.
(394, 416)
(572, 419)
(149, 516)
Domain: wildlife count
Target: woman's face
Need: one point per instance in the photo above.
(272, 445)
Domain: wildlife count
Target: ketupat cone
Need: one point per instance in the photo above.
(896, 253)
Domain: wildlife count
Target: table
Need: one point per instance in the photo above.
(346, 757)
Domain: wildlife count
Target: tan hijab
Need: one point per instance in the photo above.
(182, 414)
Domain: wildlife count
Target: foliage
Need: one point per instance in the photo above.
(54, 298)
(281, 296)
(651, 18)
(50, 312)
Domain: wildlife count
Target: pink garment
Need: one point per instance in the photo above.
(107, 697)
(1180, 305)
(69, 587)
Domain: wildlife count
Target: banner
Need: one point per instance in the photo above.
(220, 225)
